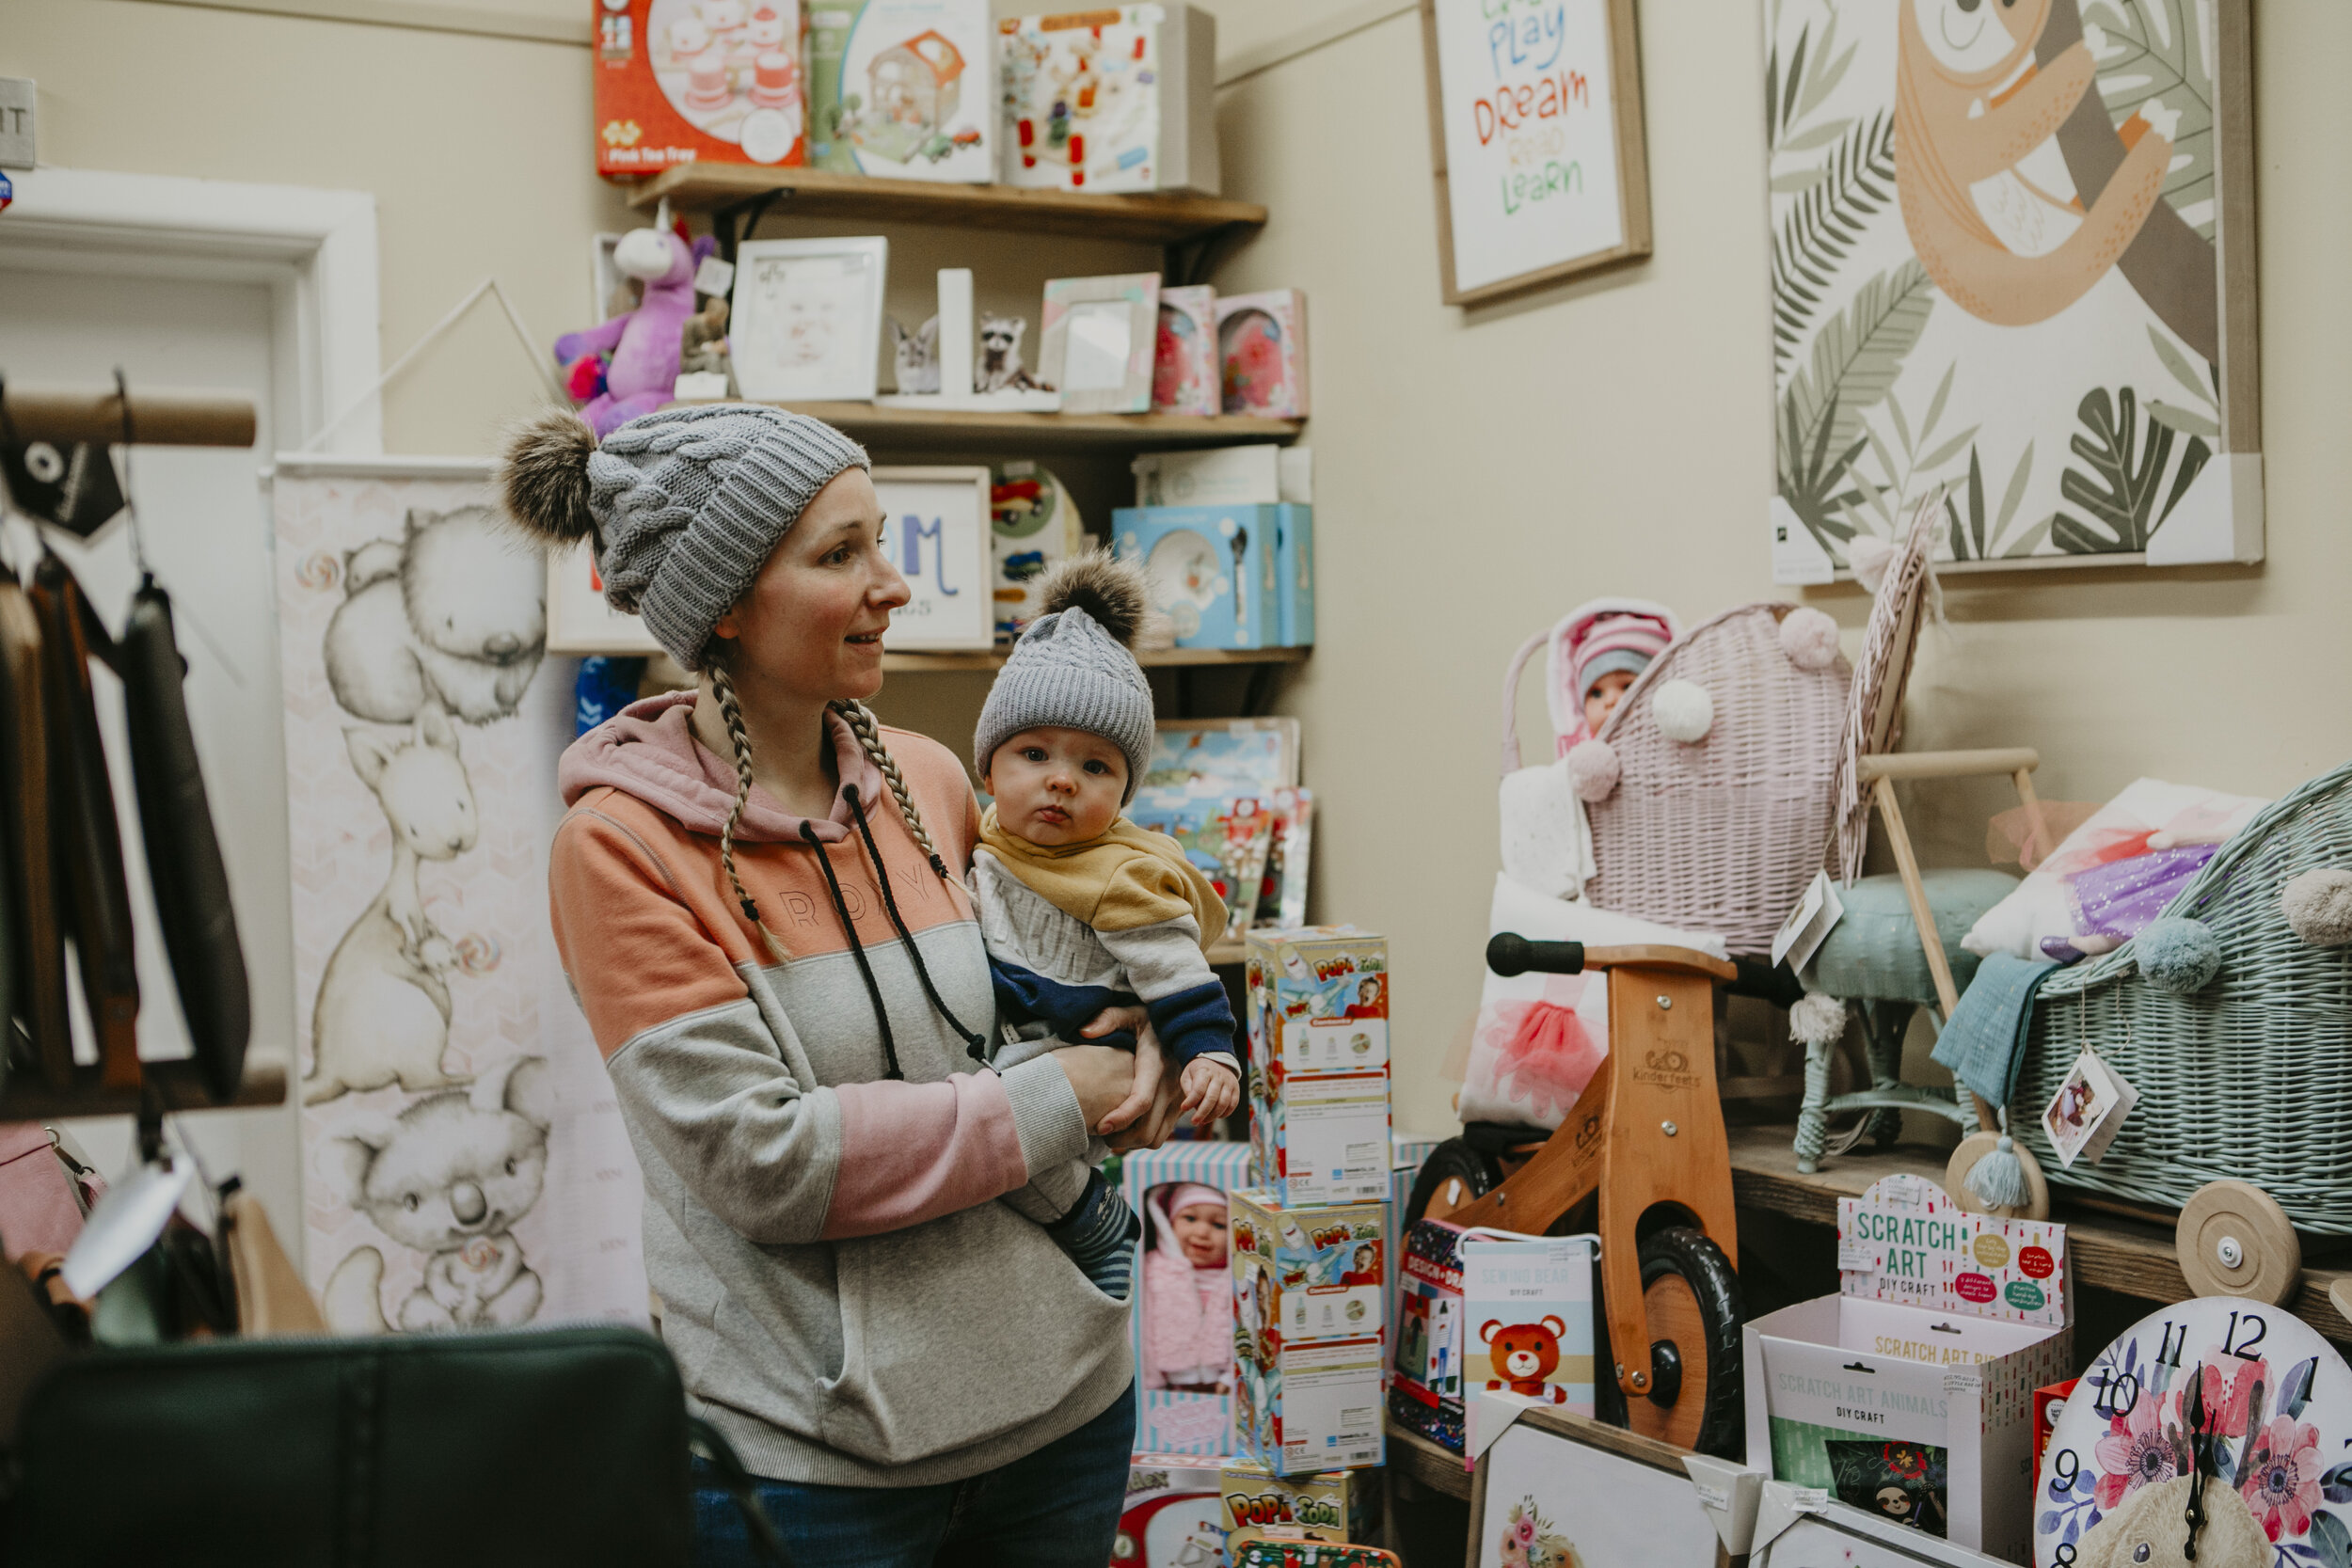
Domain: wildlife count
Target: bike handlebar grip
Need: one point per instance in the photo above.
(1509, 954)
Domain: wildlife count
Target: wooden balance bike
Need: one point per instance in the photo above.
(1641, 1159)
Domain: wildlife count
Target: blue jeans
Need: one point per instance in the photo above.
(1057, 1507)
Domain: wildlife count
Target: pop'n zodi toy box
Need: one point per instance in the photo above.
(1327, 1506)
(1919, 1374)
(1319, 998)
(901, 90)
(1308, 1407)
(1118, 99)
(1318, 1273)
(682, 81)
(1174, 1516)
(1319, 1139)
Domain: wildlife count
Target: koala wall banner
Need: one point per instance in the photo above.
(464, 1164)
(2012, 263)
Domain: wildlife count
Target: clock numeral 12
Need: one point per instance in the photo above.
(2245, 1352)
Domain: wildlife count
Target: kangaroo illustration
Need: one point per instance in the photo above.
(383, 1008)
(1985, 191)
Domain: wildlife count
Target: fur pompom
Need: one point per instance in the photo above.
(1817, 1019)
(2318, 906)
(544, 477)
(1683, 710)
(1870, 556)
(1114, 592)
(1809, 639)
(2179, 956)
(1592, 770)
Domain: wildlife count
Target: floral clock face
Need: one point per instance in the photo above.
(2217, 1432)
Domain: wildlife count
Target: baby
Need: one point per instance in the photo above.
(1082, 910)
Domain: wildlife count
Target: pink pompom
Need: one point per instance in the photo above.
(1809, 639)
(1592, 770)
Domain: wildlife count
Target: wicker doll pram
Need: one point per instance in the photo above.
(2245, 1079)
(1721, 834)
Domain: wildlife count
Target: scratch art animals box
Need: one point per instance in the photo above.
(1330, 1506)
(1914, 1387)
(901, 90)
(681, 81)
(1319, 1273)
(1118, 99)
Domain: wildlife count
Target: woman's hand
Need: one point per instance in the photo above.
(1149, 1065)
(1157, 1121)
(1102, 1076)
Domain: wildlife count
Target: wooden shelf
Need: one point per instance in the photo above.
(1167, 218)
(28, 1098)
(935, 429)
(1158, 659)
(2131, 1258)
(1439, 1469)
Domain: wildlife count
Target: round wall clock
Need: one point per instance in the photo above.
(2217, 1432)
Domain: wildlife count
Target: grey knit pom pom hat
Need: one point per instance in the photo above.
(687, 504)
(1074, 669)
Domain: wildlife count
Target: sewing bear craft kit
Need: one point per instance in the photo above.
(1318, 1079)
(900, 88)
(1527, 1321)
(1912, 1389)
(687, 81)
(1121, 99)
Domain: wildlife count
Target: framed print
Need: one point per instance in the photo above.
(807, 319)
(938, 529)
(2012, 275)
(1838, 1535)
(578, 620)
(1562, 1489)
(1536, 141)
(1100, 337)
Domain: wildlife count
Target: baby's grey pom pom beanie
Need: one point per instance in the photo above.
(689, 502)
(1073, 668)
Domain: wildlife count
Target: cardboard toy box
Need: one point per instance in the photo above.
(1211, 570)
(1920, 1373)
(1320, 1273)
(1174, 1420)
(903, 90)
(1309, 1408)
(1318, 1006)
(1330, 1505)
(1408, 1151)
(1174, 1515)
(1425, 1393)
(1117, 98)
(678, 81)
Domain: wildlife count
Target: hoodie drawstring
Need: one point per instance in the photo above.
(857, 950)
(975, 1044)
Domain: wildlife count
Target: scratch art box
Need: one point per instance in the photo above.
(681, 81)
(1331, 1506)
(1320, 1273)
(1919, 1374)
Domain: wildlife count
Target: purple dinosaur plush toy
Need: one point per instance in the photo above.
(644, 344)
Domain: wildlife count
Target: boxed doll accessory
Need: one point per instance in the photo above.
(1327, 1506)
(899, 88)
(1918, 1376)
(1262, 352)
(1181, 1411)
(681, 81)
(1318, 1273)
(1174, 1516)
(1121, 99)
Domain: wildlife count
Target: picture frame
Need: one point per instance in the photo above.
(806, 323)
(1615, 1498)
(1098, 341)
(1838, 1535)
(578, 620)
(939, 530)
(1537, 154)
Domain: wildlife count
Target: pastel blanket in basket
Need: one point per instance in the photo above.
(1539, 1038)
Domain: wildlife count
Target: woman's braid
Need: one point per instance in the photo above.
(862, 723)
(731, 713)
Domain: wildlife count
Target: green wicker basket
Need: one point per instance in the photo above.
(2251, 1077)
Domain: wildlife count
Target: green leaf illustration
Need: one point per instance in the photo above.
(1836, 202)
(2186, 422)
(2159, 49)
(2030, 540)
(2127, 465)
(1857, 355)
(2183, 371)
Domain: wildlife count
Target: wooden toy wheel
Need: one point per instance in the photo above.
(1975, 1146)
(1453, 1174)
(1695, 1310)
(2235, 1241)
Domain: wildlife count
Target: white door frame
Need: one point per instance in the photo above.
(315, 249)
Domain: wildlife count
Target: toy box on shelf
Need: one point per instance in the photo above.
(682, 81)
(1425, 1389)
(1174, 1515)
(1318, 1006)
(1484, 1309)
(1224, 575)
(899, 88)
(1262, 352)
(1174, 1420)
(1121, 99)
(1316, 1274)
(1184, 375)
(1034, 525)
(1919, 1374)
(1330, 1505)
(1257, 474)
(1407, 1152)
(1308, 1407)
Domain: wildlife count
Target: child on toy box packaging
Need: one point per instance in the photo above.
(1187, 1293)
(1078, 906)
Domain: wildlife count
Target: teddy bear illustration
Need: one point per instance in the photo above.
(2146, 1531)
(1526, 1355)
(1986, 195)
(383, 1006)
(454, 614)
(448, 1177)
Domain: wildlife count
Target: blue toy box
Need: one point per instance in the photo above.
(1217, 572)
(1169, 1420)
(1295, 574)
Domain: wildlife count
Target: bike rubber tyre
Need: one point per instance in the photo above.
(1693, 1298)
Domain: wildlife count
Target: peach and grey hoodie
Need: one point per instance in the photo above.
(819, 1148)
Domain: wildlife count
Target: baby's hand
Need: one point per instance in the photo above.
(1211, 1092)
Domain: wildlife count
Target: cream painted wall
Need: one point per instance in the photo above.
(1479, 471)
